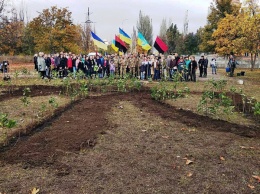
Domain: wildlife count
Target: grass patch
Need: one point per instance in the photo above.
(38, 109)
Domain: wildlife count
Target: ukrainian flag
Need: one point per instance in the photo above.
(113, 46)
(124, 36)
(98, 42)
(143, 42)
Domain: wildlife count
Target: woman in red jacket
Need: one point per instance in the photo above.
(69, 64)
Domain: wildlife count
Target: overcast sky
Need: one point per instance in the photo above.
(109, 15)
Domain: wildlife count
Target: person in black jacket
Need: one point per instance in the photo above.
(48, 65)
(62, 66)
(192, 68)
(91, 66)
(35, 62)
(201, 65)
(205, 67)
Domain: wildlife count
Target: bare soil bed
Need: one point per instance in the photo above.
(129, 143)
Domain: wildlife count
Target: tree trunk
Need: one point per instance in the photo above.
(253, 59)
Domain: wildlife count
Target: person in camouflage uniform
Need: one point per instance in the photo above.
(132, 66)
(121, 66)
(137, 63)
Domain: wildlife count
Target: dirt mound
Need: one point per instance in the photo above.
(74, 130)
(35, 90)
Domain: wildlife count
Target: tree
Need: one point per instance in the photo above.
(2, 3)
(172, 37)
(249, 40)
(134, 39)
(144, 26)
(252, 6)
(191, 44)
(225, 35)
(218, 10)
(53, 31)
(163, 31)
(239, 34)
(87, 45)
(28, 45)
(11, 31)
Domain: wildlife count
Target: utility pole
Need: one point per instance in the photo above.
(186, 24)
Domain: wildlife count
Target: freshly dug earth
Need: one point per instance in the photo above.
(129, 143)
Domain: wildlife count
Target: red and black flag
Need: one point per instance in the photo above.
(120, 44)
(160, 46)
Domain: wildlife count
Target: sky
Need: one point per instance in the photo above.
(109, 15)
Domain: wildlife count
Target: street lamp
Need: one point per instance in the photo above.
(88, 20)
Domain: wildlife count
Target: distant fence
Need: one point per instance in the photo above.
(244, 62)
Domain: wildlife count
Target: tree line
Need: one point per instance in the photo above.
(231, 28)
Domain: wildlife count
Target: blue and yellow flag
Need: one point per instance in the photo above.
(124, 36)
(143, 42)
(98, 42)
(113, 46)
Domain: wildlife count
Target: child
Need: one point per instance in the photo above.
(100, 69)
(112, 68)
(95, 69)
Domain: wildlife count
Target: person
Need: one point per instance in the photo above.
(136, 66)
(107, 66)
(142, 68)
(168, 65)
(1, 67)
(53, 67)
(41, 65)
(156, 67)
(80, 66)
(173, 67)
(232, 63)
(96, 67)
(5, 66)
(201, 65)
(35, 62)
(127, 65)
(187, 74)
(112, 68)
(205, 66)
(90, 66)
(193, 67)
(177, 57)
(148, 68)
(57, 62)
(213, 65)
(47, 59)
(100, 71)
(69, 64)
(122, 66)
(74, 69)
(63, 66)
(181, 66)
(163, 67)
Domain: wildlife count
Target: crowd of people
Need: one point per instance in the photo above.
(141, 66)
